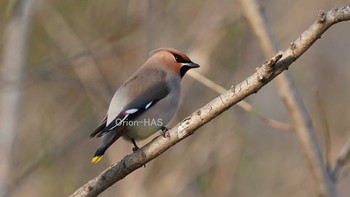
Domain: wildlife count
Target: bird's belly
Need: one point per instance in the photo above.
(140, 133)
(153, 119)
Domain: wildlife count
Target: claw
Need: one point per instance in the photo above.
(164, 132)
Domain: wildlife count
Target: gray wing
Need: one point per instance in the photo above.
(155, 88)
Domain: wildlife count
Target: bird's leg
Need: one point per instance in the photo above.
(164, 132)
(135, 148)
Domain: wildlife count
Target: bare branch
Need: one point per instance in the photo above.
(327, 132)
(292, 98)
(342, 159)
(189, 125)
(243, 104)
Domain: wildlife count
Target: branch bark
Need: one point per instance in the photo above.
(263, 75)
(242, 104)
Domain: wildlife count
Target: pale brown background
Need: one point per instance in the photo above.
(235, 154)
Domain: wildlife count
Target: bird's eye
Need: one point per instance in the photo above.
(178, 58)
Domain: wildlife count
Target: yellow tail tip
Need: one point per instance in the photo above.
(96, 159)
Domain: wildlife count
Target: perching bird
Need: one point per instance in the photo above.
(146, 102)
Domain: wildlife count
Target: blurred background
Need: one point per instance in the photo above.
(81, 51)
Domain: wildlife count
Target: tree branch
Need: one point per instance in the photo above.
(294, 102)
(264, 74)
(342, 159)
(242, 104)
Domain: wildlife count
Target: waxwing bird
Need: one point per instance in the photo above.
(146, 102)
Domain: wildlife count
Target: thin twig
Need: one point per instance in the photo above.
(327, 132)
(342, 159)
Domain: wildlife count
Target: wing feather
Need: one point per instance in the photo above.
(156, 90)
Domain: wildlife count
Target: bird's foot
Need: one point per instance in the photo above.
(135, 148)
(164, 132)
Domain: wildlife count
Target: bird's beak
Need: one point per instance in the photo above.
(187, 66)
(191, 65)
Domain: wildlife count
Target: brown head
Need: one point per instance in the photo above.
(173, 60)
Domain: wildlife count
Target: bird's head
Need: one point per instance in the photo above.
(173, 59)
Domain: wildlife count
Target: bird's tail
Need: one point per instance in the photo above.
(98, 154)
(107, 140)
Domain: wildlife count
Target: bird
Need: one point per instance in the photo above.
(145, 102)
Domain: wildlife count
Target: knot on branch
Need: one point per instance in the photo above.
(267, 69)
(181, 129)
(321, 16)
